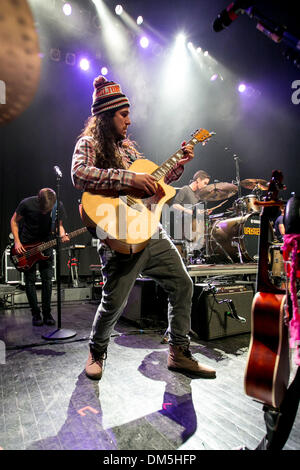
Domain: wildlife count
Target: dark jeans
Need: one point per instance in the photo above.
(160, 261)
(279, 423)
(46, 271)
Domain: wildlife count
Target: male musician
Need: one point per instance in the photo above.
(189, 195)
(32, 222)
(184, 205)
(101, 161)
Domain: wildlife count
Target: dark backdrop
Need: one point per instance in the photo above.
(263, 129)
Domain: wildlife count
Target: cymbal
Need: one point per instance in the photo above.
(19, 58)
(217, 191)
(252, 183)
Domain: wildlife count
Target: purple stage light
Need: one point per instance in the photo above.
(214, 77)
(144, 42)
(67, 9)
(84, 64)
(242, 88)
(104, 71)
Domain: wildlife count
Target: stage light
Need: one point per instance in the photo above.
(242, 88)
(104, 71)
(139, 20)
(55, 54)
(205, 53)
(144, 42)
(199, 50)
(84, 64)
(190, 45)
(67, 9)
(214, 77)
(119, 10)
(70, 58)
(180, 39)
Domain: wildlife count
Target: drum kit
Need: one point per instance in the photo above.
(232, 237)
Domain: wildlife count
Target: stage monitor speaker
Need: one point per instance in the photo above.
(147, 303)
(224, 312)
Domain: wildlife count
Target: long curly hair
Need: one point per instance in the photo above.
(101, 129)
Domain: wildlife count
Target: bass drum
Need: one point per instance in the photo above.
(228, 237)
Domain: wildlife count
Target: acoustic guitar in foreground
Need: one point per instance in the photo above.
(267, 370)
(127, 221)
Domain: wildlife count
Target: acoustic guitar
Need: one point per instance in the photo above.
(34, 252)
(267, 370)
(127, 220)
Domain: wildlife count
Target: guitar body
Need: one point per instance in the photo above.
(267, 371)
(126, 222)
(22, 262)
(34, 252)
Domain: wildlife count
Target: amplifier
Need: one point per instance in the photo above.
(221, 311)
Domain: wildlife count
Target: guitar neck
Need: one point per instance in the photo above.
(51, 243)
(169, 164)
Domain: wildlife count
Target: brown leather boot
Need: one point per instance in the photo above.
(94, 365)
(180, 359)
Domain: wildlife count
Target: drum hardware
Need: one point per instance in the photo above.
(222, 249)
(238, 245)
(237, 172)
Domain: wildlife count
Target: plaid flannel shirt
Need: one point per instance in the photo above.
(86, 176)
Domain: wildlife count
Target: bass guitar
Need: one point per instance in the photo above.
(267, 370)
(127, 220)
(34, 252)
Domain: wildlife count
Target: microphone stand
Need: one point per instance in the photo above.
(59, 333)
(237, 179)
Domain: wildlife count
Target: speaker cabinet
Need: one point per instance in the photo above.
(226, 311)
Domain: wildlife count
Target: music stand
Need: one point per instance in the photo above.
(59, 333)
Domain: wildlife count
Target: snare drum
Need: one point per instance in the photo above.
(277, 263)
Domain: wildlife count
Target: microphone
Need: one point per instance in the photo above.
(227, 16)
(57, 171)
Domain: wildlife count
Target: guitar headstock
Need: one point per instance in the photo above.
(201, 135)
(275, 185)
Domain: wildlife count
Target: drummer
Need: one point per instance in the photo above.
(188, 195)
(184, 207)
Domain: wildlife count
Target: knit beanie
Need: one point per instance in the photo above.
(107, 96)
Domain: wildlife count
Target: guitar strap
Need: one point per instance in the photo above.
(53, 217)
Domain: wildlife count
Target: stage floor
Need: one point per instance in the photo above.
(48, 403)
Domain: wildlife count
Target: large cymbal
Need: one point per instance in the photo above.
(19, 58)
(251, 183)
(217, 191)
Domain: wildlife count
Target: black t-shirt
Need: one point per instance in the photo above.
(35, 226)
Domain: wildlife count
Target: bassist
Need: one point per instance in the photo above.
(33, 221)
